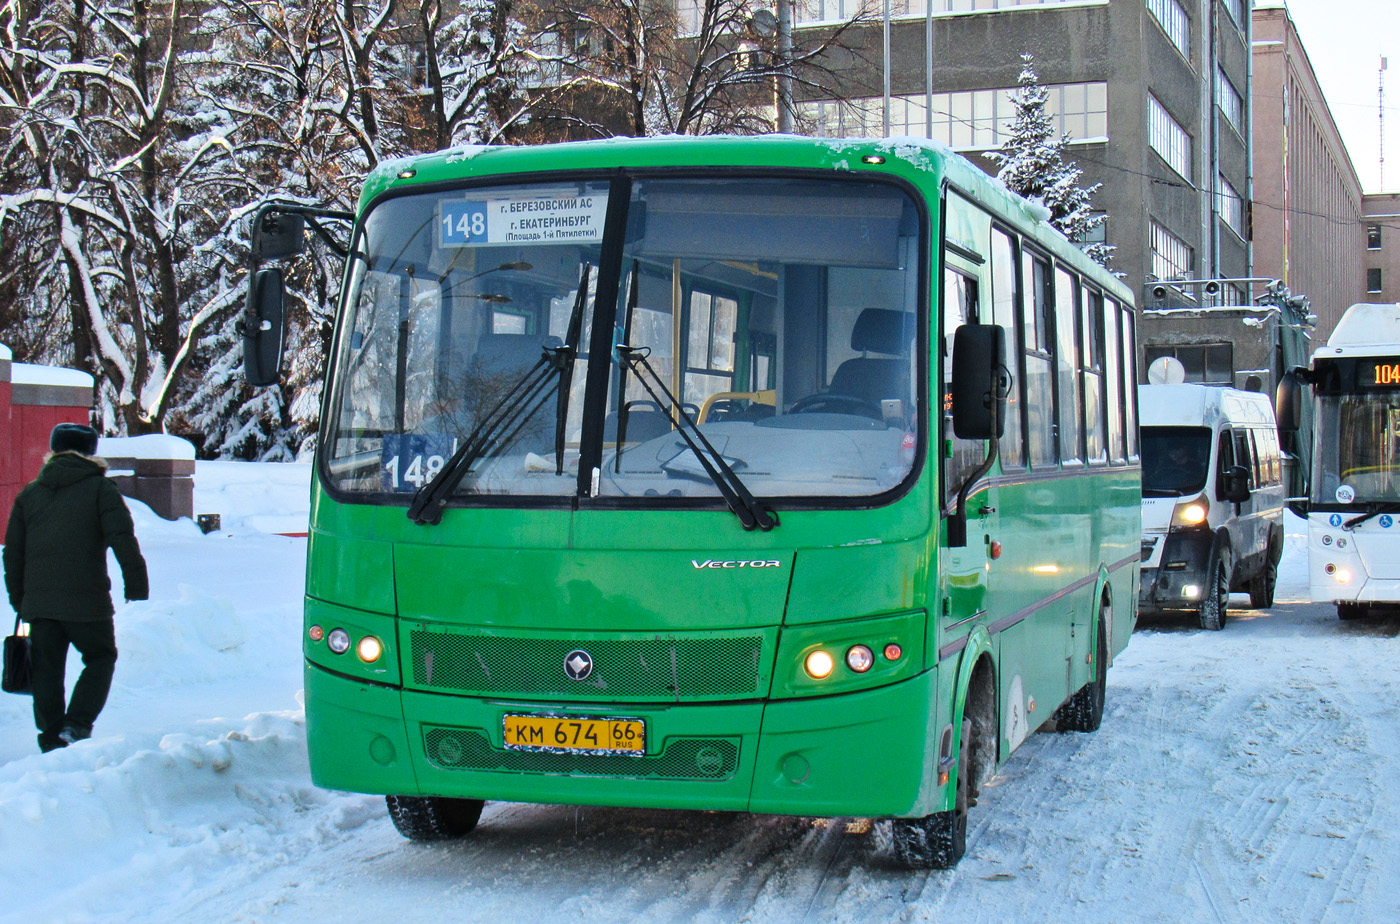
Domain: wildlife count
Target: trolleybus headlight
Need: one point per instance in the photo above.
(316, 633)
(859, 658)
(338, 641)
(369, 649)
(819, 665)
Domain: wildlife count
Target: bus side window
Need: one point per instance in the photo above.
(1039, 360)
(1006, 294)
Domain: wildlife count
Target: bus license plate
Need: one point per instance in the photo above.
(566, 733)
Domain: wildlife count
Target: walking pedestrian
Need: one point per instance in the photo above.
(55, 559)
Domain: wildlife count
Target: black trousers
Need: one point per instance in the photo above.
(49, 639)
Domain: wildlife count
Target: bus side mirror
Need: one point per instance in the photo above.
(1288, 401)
(278, 235)
(263, 329)
(1234, 484)
(980, 381)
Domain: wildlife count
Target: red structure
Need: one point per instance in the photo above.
(33, 399)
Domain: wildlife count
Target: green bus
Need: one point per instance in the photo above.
(774, 474)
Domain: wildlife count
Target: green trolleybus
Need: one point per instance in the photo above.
(772, 474)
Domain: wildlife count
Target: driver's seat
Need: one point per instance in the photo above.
(872, 379)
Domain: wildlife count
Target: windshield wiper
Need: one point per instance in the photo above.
(498, 428)
(736, 494)
(1373, 509)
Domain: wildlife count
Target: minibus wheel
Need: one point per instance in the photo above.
(1217, 594)
(433, 818)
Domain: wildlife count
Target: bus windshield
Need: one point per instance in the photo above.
(780, 314)
(1357, 448)
(1175, 460)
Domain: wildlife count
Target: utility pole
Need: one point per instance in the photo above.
(1381, 93)
(784, 80)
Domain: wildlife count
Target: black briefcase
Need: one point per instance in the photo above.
(17, 672)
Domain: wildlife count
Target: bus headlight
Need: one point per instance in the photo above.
(338, 641)
(860, 658)
(369, 649)
(819, 665)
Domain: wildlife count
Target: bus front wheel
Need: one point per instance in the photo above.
(433, 818)
(937, 841)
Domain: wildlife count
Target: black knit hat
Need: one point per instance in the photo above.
(71, 437)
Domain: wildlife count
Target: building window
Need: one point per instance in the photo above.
(1373, 237)
(969, 120)
(1373, 280)
(810, 12)
(1207, 363)
(1168, 138)
(1229, 100)
(1236, 10)
(1231, 207)
(1171, 16)
(1171, 258)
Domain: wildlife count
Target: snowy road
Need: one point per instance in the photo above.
(1239, 776)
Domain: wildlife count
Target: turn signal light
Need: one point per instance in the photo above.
(316, 633)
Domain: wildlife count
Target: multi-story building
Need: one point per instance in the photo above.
(1309, 229)
(1381, 263)
(1153, 93)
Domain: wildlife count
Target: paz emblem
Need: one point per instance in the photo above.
(578, 664)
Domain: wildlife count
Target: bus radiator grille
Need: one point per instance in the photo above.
(683, 758)
(650, 668)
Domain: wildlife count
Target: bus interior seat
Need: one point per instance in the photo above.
(873, 379)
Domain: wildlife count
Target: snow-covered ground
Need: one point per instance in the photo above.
(1249, 775)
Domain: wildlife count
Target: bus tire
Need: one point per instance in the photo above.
(433, 818)
(1216, 599)
(1083, 712)
(1349, 611)
(937, 841)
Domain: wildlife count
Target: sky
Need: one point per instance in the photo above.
(1345, 40)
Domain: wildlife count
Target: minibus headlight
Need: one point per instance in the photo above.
(1191, 513)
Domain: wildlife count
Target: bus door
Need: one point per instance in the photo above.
(968, 576)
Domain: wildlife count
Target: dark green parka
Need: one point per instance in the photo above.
(57, 539)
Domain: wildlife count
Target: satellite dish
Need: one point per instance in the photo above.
(764, 23)
(1166, 370)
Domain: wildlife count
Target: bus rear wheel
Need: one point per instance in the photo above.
(433, 818)
(1083, 712)
(937, 841)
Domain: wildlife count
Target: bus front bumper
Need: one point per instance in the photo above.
(864, 754)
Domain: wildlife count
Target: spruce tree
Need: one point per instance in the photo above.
(1032, 164)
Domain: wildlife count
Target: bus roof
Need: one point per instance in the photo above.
(1365, 328)
(921, 161)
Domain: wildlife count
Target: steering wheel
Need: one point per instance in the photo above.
(828, 403)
